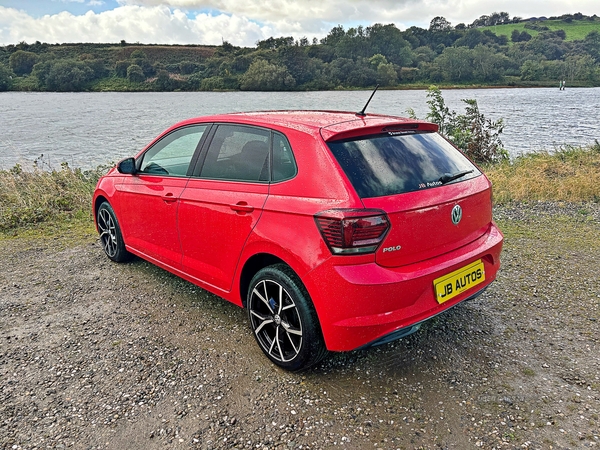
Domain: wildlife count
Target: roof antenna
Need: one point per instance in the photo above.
(362, 112)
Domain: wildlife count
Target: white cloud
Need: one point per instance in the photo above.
(157, 24)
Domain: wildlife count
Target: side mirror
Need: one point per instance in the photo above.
(127, 166)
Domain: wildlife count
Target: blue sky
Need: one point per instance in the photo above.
(241, 22)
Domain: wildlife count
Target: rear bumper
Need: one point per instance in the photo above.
(366, 304)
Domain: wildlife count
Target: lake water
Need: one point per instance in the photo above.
(87, 129)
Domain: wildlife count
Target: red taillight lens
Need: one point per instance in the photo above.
(352, 231)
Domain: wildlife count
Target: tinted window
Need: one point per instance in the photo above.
(238, 153)
(173, 153)
(284, 165)
(393, 164)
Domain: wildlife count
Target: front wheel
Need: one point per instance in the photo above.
(110, 234)
(283, 319)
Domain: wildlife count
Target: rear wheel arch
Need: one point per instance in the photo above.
(253, 265)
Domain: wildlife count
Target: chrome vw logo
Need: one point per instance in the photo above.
(456, 214)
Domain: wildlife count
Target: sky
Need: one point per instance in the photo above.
(241, 22)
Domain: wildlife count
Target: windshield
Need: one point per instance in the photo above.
(396, 163)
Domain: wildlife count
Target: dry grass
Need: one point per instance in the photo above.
(570, 174)
(30, 197)
(62, 198)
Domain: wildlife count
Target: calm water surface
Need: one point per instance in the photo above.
(87, 129)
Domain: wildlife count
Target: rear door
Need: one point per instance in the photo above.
(435, 198)
(222, 203)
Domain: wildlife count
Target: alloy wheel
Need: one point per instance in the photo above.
(275, 320)
(108, 232)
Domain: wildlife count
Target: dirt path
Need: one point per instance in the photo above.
(100, 355)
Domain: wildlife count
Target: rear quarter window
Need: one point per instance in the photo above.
(389, 164)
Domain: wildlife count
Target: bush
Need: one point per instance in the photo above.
(22, 62)
(476, 136)
(163, 81)
(187, 67)
(67, 75)
(30, 197)
(264, 76)
(135, 74)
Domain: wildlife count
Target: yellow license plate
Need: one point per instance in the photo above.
(459, 281)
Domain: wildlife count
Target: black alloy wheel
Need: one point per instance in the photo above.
(283, 319)
(110, 234)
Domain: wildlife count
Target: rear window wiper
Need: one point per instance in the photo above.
(448, 177)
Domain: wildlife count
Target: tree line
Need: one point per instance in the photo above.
(358, 57)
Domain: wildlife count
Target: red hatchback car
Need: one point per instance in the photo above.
(336, 230)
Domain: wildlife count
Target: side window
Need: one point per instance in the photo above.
(239, 153)
(173, 153)
(284, 165)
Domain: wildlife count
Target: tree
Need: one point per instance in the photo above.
(275, 43)
(68, 75)
(41, 71)
(264, 76)
(456, 63)
(439, 23)
(137, 54)
(334, 36)
(135, 74)
(187, 67)
(163, 81)
(297, 62)
(22, 62)
(121, 68)
(532, 70)
(5, 78)
(387, 40)
(488, 65)
(581, 67)
(387, 75)
(591, 44)
(386, 72)
(549, 46)
(522, 36)
(472, 38)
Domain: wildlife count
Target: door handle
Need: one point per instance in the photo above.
(169, 197)
(242, 207)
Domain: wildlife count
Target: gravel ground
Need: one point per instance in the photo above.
(101, 355)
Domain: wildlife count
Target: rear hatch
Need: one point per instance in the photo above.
(435, 198)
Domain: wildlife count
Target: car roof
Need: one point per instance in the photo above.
(331, 124)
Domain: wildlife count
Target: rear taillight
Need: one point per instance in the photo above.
(352, 231)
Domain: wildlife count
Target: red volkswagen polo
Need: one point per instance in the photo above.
(335, 230)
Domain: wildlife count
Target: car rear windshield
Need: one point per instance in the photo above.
(393, 163)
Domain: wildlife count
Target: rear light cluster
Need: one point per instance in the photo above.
(352, 231)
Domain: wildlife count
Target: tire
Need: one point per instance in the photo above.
(283, 319)
(110, 234)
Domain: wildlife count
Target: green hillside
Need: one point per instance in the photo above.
(575, 30)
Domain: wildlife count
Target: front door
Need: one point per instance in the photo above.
(150, 198)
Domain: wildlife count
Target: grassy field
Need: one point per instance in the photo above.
(576, 30)
(57, 202)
